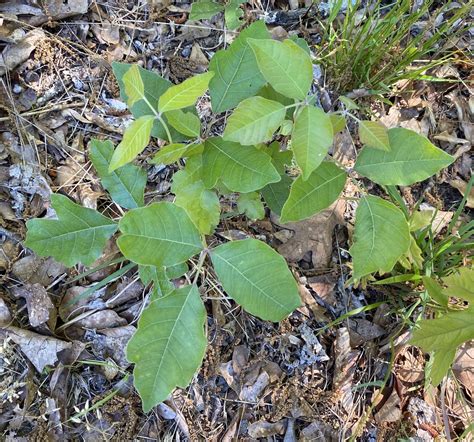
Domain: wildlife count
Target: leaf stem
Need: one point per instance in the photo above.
(159, 118)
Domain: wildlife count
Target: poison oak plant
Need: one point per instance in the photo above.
(266, 83)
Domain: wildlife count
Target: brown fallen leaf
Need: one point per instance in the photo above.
(362, 330)
(115, 343)
(17, 53)
(266, 429)
(390, 410)
(344, 368)
(463, 366)
(38, 303)
(40, 350)
(461, 186)
(101, 320)
(313, 234)
(5, 315)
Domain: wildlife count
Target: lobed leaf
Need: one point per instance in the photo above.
(204, 9)
(251, 204)
(236, 73)
(318, 192)
(254, 121)
(160, 235)
(241, 168)
(460, 284)
(184, 94)
(78, 235)
(381, 236)
(169, 345)
(286, 66)
(201, 204)
(257, 278)
(447, 332)
(412, 158)
(311, 139)
(126, 184)
(135, 139)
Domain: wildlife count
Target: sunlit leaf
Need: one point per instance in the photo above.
(184, 94)
(135, 139)
(160, 234)
(184, 122)
(311, 139)
(254, 121)
(78, 235)
(169, 345)
(134, 87)
(374, 134)
(256, 277)
(241, 168)
(236, 73)
(318, 192)
(412, 158)
(126, 184)
(381, 236)
(286, 66)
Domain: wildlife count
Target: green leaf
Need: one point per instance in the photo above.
(318, 192)
(251, 204)
(286, 128)
(435, 291)
(311, 139)
(447, 332)
(135, 139)
(134, 87)
(280, 158)
(184, 122)
(257, 278)
(420, 219)
(233, 14)
(78, 235)
(254, 121)
(286, 66)
(276, 194)
(158, 276)
(460, 284)
(201, 204)
(169, 345)
(126, 184)
(184, 94)
(348, 103)
(160, 234)
(236, 73)
(204, 9)
(241, 168)
(374, 134)
(440, 362)
(381, 236)
(338, 122)
(154, 86)
(170, 154)
(412, 158)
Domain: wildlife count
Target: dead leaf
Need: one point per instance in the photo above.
(409, 365)
(344, 368)
(5, 315)
(101, 320)
(38, 303)
(17, 53)
(35, 270)
(115, 343)
(40, 350)
(461, 185)
(197, 56)
(266, 429)
(324, 287)
(390, 410)
(250, 393)
(314, 235)
(362, 330)
(463, 367)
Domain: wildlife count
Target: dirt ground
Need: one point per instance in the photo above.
(318, 375)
